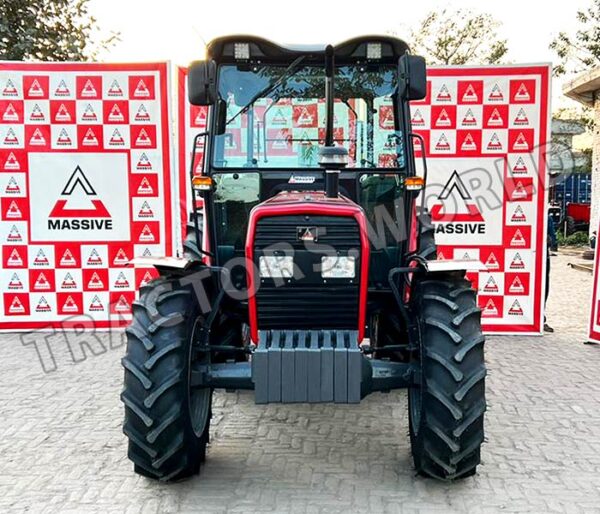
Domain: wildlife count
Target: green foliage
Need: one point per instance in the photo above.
(580, 51)
(458, 37)
(576, 239)
(580, 113)
(48, 30)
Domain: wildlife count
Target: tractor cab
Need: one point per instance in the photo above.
(275, 110)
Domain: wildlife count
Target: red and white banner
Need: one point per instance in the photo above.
(485, 131)
(84, 187)
(192, 120)
(594, 333)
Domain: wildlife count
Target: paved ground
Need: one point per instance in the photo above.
(61, 446)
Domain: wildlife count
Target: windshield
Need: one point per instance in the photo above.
(276, 116)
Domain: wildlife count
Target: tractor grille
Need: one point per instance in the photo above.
(341, 233)
(308, 302)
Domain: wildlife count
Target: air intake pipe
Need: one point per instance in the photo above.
(333, 159)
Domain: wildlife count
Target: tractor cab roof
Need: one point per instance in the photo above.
(383, 49)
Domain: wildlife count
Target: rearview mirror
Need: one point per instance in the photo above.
(202, 83)
(412, 77)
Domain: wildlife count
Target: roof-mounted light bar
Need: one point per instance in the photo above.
(241, 51)
(374, 51)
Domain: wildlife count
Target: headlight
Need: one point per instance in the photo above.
(276, 266)
(338, 267)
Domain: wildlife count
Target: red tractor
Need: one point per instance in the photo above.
(311, 275)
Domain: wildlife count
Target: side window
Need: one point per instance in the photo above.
(382, 198)
(235, 196)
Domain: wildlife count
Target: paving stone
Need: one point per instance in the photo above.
(62, 448)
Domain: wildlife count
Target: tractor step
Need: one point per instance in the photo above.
(312, 366)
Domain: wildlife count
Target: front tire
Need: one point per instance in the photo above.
(167, 422)
(447, 405)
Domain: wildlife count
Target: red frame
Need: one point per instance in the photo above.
(315, 203)
(593, 334)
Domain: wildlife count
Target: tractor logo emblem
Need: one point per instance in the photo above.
(515, 309)
(41, 284)
(116, 115)
(79, 180)
(15, 282)
(37, 114)
(68, 282)
(62, 89)
(14, 259)
(519, 167)
(521, 118)
(307, 233)
(41, 259)
(11, 162)
(440, 212)
(470, 94)
(490, 309)
(43, 305)
(496, 94)
(469, 119)
(16, 307)
(522, 94)
(491, 286)
(10, 114)
(10, 89)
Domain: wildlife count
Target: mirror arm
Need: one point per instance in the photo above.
(194, 207)
(414, 135)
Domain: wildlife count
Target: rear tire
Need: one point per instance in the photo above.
(167, 422)
(190, 245)
(446, 409)
(571, 227)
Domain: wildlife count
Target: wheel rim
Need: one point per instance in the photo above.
(198, 397)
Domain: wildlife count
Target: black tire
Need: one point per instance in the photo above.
(166, 421)
(190, 245)
(426, 247)
(571, 226)
(446, 411)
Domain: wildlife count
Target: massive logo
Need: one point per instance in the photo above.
(463, 200)
(443, 212)
(79, 197)
(78, 179)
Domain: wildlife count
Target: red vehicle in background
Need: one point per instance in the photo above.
(576, 218)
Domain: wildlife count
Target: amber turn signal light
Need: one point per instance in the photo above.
(202, 183)
(414, 183)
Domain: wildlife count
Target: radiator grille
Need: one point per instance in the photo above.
(309, 302)
(339, 232)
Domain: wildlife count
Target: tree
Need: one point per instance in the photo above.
(48, 30)
(458, 37)
(580, 51)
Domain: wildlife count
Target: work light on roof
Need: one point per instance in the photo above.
(241, 51)
(373, 50)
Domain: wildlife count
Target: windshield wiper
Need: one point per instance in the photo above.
(287, 73)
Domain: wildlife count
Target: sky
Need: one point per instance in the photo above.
(178, 30)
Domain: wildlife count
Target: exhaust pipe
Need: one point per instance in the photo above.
(333, 159)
